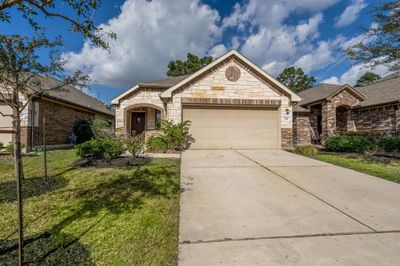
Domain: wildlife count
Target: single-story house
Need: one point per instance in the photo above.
(328, 109)
(231, 103)
(61, 108)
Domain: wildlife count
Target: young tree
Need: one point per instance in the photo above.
(191, 65)
(21, 79)
(366, 79)
(384, 45)
(295, 79)
(80, 19)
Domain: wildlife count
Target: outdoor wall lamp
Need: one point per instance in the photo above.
(287, 111)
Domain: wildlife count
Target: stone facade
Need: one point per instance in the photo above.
(302, 131)
(210, 88)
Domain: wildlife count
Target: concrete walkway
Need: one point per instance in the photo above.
(266, 207)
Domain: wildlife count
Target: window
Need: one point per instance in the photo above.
(33, 114)
(158, 119)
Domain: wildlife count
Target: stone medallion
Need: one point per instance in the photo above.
(232, 73)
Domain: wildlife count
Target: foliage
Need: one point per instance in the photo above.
(295, 79)
(387, 169)
(372, 136)
(1, 145)
(366, 79)
(382, 47)
(156, 143)
(101, 129)
(306, 150)
(83, 131)
(100, 148)
(390, 144)
(191, 65)
(10, 147)
(176, 136)
(92, 216)
(348, 143)
(135, 144)
(79, 16)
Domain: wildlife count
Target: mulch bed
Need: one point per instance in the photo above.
(118, 162)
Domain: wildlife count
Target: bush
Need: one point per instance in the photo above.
(390, 144)
(372, 136)
(306, 150)
(1, 145)
(176, 136)
(100, 148)
(135, 144)
(348, 143)
(83, 131)
(101, 129)
(10, 147)
(156, 143)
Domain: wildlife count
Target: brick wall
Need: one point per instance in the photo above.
(301, 129)
(286, 137)
(383, 119)
(60, 122)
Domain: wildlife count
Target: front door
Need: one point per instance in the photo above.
(138, 123)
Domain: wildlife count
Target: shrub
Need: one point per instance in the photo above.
(101, 129)
(1, 145)
(372, 136)
(390, 144)
(176, 136)
(100, 148)
(135, 144)
(348, 143)
(83, 131)
(306, 150)
(10, 147)
(156, 143)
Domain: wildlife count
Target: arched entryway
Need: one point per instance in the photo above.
(142, 118)
(342, 118)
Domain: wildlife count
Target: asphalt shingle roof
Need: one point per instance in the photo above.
(317, 93)
(385, 90)
(74, 96)
(164, 83)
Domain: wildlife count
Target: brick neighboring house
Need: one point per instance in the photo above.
(327, 109)
(232, 104)
(61, 109)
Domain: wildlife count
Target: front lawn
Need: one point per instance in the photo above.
(380, 167)
(92, 216)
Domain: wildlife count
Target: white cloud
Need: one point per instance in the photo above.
(149, 35)
(318, 58)
(351, 13)
(218, 50)
(355, 72)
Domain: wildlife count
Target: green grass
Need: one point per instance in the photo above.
(383, 168)
(92, 216)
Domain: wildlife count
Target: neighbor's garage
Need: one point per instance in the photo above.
(216, 127)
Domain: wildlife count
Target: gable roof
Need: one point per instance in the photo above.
(325, 91)
(160, 83)
(73, 96)
(232, 53)
(385, 90)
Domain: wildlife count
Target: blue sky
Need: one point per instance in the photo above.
(274, 34)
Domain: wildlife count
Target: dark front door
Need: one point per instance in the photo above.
(138, 123)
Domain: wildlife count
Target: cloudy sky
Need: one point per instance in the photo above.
(274, 34)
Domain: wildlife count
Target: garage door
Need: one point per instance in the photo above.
(233, 127)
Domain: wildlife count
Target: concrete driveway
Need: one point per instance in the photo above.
(250, 207)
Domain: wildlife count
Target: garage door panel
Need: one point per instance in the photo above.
(233, 128)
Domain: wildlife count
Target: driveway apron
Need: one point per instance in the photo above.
(250, 207)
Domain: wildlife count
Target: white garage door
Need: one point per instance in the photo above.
(233, 127)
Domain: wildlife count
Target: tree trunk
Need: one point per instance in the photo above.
(18, 176)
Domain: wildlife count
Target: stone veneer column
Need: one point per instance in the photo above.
(328, 120)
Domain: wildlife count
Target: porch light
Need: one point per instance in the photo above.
(287, 111)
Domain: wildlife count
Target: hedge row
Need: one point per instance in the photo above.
(360, 142)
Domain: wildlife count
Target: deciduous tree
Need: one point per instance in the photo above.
(366, 79)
